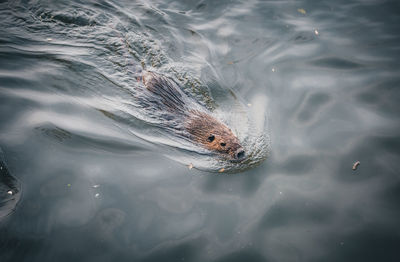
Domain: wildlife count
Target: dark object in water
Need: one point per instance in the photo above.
(191, 118)
(9, 189)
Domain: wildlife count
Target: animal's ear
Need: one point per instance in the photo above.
(210, 138)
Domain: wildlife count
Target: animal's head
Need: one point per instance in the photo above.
(214, 135)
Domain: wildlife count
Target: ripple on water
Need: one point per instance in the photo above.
(312, 106)
(336, 63)
(106, 55)
(68, 75)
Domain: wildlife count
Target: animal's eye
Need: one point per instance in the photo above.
(211, 138)
(223, 144)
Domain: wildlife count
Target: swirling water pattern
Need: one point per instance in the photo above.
(101, 181)
(107, 53)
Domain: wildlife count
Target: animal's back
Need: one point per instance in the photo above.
(166, 92)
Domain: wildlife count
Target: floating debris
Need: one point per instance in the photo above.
(97, 195)
(273, 69)
(356, 164)
(49, 39)
(302, 11)
(221, 170)
(190, 166)
(9, 192)
(230, 63)
(68, 185)
(96, 186)
(316, 32)
(249, 105)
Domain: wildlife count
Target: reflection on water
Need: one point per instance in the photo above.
(99, 183)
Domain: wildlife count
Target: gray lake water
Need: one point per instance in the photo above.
(309, 87)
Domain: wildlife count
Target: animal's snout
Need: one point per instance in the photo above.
(239, 154)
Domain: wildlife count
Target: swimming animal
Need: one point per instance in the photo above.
(189, 118)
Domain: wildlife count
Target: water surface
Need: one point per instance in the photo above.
(316, 84)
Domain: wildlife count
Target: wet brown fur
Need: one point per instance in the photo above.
(203, 128)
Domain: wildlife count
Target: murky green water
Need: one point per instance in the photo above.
(92, 178)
